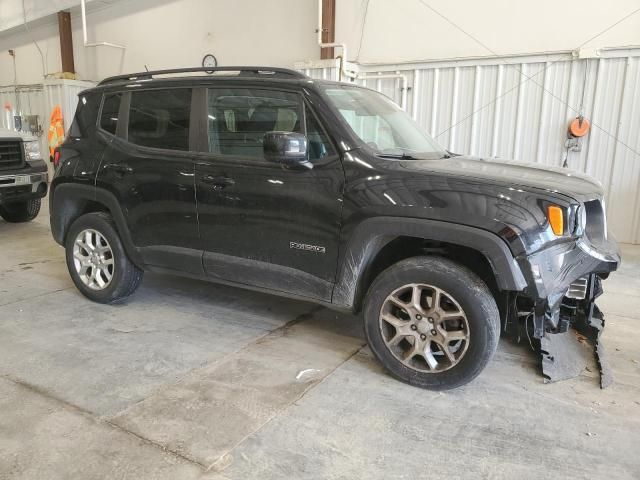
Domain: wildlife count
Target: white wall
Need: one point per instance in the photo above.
(405, 30)
(169, 33)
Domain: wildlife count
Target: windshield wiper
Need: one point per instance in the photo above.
(399, 156)
(449, 154)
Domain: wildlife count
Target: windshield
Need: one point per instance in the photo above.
(382, 124)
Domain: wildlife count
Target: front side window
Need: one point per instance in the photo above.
(319, 145)
(109, 115)
(381, 124)
(238, 118)
(160, 118)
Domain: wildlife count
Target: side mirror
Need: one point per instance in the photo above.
(288, 148)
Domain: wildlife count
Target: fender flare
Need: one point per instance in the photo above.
(370, 236)
(65, 207)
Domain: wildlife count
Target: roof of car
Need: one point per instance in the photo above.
(236, 73)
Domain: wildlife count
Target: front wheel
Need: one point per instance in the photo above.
(431, 322)
(18, 212)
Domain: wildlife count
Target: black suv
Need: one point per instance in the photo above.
(23, 176)
(266, 179)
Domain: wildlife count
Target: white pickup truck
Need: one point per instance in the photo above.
(23, 176)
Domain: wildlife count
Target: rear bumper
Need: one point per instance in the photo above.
(554, 270)
(25, 184)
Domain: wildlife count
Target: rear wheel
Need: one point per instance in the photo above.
(431, 322)
(18, 212)
(97, 261)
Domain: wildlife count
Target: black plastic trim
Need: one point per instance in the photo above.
(372, 234)
(65, 204)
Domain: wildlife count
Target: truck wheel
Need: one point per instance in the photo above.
(97, 262)
(431, 322)
(18, 212)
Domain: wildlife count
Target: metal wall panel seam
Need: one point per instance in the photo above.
(475, 115)
(543, 110)
(414, 97)
(594, 106)
(497, 113)
(454, 108)
(519, 108)
(612, 163)
(434, 101)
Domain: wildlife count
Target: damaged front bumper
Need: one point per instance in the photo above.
(565, 280)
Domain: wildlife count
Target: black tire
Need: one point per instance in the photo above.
(471, 294)
(18, 212)
(126, 276)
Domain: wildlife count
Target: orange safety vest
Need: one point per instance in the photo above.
(56, 130)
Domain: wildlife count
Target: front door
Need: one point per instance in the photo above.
(261, 223)
(149, 167)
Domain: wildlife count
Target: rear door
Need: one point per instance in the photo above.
(263, 224)
(149, 167)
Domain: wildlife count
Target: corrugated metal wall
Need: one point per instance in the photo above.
(65, 93)
(520, 107)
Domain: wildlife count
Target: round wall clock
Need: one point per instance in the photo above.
(209, 61)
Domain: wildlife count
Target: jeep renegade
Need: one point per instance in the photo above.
(266, 179)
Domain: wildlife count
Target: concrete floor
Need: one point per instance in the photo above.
(190, 380)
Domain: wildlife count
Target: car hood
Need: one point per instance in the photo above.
(4, 134)
(516, 174)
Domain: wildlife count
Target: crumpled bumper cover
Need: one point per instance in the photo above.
(553, 270)
(566, 351)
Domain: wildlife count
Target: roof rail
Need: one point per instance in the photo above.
(257, 71)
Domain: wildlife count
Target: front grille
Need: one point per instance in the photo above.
(11, 155)
(578, 289)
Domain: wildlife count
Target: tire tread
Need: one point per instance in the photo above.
(19, 212)
(131, 276)
(460, 275)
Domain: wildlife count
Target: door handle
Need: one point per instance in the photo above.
(218, 182)
(121, 168)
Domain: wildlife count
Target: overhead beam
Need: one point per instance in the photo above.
(328, 27)
(66, 42)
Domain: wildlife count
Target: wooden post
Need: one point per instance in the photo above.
(328, 27)
(66, 42)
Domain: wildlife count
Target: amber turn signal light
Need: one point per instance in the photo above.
(556, 219)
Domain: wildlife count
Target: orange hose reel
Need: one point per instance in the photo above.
(579, 127)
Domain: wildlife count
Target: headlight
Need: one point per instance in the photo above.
(32, 150)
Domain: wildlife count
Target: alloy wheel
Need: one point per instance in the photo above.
(424, 327)
(93, 259)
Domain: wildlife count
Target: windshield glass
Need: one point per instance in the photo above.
(382, 124)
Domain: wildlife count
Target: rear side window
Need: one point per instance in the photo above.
(160, 118)
(109, 115)
(85, 119)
